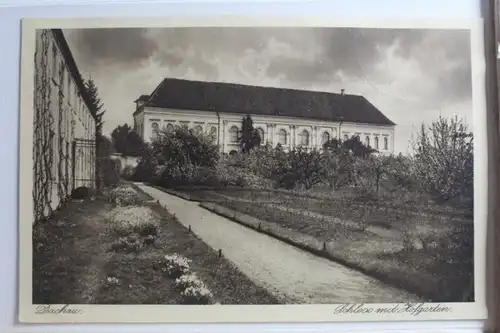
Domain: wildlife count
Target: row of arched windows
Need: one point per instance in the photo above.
(304, 136)
(197, 129)
(376, 143)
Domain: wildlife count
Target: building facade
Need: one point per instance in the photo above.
(63, 126)
(282, 116)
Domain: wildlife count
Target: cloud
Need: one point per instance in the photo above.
(101, 47)
(409, 74)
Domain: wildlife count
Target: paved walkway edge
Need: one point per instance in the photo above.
(314, 246)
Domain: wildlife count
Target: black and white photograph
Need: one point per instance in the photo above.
(250, 165)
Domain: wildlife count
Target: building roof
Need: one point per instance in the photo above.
(72, 67)
(237, 98)
(142, 98)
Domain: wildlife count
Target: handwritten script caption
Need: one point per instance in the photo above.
(57, 309)
(413, 309)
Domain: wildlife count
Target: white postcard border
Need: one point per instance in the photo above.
(246, 313)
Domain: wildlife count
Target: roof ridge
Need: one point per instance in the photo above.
(263, 86)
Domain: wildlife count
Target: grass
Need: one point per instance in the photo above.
(74, 262)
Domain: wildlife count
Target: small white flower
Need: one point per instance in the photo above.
(112, 280)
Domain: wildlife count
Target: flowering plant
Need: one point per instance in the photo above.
(126, 220)
(197, 295)
(129, 244)
(176, 265)
(123, 195)
(189, 280)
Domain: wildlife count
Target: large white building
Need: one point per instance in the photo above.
(285, 116)
(63, 126)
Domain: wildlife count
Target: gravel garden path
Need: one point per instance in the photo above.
(296, 275)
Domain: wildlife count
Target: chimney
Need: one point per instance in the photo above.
(342, 91)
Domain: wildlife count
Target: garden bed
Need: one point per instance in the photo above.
(80, 257)
(422, 260)
(330, 202)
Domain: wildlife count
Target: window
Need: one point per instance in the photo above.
(233, 134)
(213, 133)
(198, 129)
(346, 137)
(367, 141)
(261, 134)
(376, 142)
(282, 137)
(170, 128)
(304, 138)
(325, 138)
(386, 143)
(155, 126)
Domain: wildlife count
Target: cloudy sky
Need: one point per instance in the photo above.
(410, 75)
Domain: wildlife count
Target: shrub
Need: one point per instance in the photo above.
(82, 193)
(149, 239)
(111, 281)
(128, 172)
(110, 171)
(176, 265)
(187, 175)
(130, 244)
(188, 280)
(196, 295)
(133, 219)
(122, 196)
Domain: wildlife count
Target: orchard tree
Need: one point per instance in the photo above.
(338, 168)
(370, 171)
(301, 166)
(444, 158)
(249, 137)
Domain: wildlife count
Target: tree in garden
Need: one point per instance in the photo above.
(109, 169)
(249, 137)
(444, 158)
(339, 160)
(147, 165)
(126, 141)
(338, 168)
(353, 144)
(300, 166)
(181, 154)
(96, 108)
(401, 171)
(96, 105)
(371, 170)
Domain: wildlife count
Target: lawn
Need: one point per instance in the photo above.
(78, 259)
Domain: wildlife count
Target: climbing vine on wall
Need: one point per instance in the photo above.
(62, 126)
(43, 132)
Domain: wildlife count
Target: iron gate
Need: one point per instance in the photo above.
(84, 163)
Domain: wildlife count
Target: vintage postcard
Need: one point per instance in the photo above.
(237, 169)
